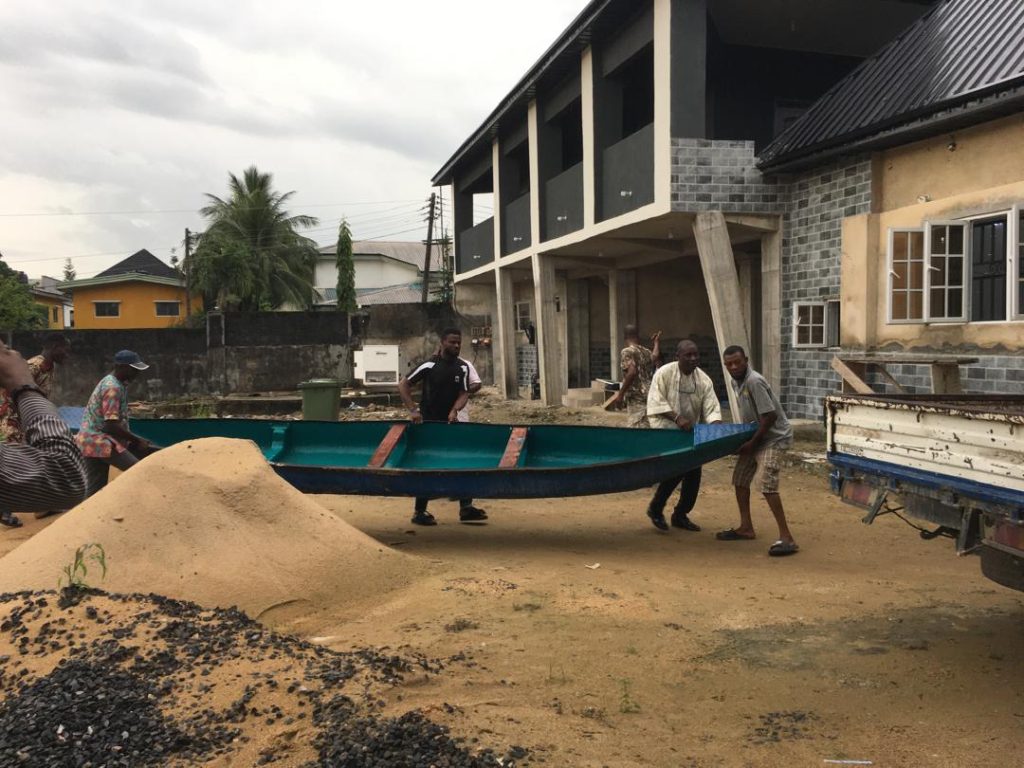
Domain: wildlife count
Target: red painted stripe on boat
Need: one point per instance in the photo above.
(513, 448)
(387, 445)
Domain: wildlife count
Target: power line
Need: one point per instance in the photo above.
(188, 210)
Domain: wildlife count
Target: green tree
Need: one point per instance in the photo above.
(18, 310)
(346, 270)
(443, 289)
(251, 256)
(69, 270)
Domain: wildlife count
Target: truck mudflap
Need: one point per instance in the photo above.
(1002, 554)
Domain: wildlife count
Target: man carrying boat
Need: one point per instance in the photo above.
(445, 388)
(762, 454)
(681, 396)
(104, 438)
(638, 364)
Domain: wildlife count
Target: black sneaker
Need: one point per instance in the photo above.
(658, 519)
(471, 515)
(423, 518)
(684, 522)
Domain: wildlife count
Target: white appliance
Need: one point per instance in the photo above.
(376, 365)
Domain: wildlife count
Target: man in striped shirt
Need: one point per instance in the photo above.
(46, 471)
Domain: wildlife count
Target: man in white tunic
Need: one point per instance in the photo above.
(681, 396)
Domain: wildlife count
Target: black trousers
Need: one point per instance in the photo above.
(687, 495)
(421, 504)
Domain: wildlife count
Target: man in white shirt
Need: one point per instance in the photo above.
(681, 396)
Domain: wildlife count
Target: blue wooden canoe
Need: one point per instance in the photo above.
(484, 461)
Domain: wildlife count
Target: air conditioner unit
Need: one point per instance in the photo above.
(377, 365)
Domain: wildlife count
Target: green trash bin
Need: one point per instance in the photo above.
(321, 399)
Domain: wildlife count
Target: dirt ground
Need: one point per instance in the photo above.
(595, 640)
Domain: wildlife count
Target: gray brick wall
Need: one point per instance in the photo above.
(818, 201)
(722, 176)
(991, 375)
(526, 364)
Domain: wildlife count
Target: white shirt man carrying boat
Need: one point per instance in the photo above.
(681, 396)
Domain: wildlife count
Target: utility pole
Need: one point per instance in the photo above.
(187, 269)
(430, 242)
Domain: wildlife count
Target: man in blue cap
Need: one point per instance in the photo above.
(104, 437)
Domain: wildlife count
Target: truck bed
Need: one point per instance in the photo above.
(971, 444)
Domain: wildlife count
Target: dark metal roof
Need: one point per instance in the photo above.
(140, 263)
(957, 53)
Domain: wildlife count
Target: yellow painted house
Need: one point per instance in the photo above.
(139, 292)
(45, 293)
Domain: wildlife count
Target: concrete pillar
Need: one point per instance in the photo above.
(723, 287)
(614, 330)
(589, 156)
(498, 197)
(533, 134)
(505, 338)
(551, 388)
(578, 318)
(771, 307)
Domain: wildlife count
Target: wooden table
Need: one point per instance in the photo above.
(945, 371)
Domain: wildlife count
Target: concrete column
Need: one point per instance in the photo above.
(771, 307)
(533, 134)
(505, 338)
(663, 13)
(614, 329)
(589, 142)
(723, 287)
(578, 318)
(551, 377)
(496, 176)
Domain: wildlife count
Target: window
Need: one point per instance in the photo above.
(56, 314)
(988, 269)
(906, 275)
(168, 308)
(523, 318)
(832, 323)
(816, 324)
(1020, 264)
(107, 308)
(809, 324)
(946, 271)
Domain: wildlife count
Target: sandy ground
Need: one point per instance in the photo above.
(598, 641)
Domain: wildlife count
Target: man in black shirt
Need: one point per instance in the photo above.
(444, 379)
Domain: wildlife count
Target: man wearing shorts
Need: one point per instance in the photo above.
(762, 454)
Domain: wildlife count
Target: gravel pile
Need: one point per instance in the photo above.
(90, 679)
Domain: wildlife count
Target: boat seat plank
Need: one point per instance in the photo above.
(514, 448)
(387, 445)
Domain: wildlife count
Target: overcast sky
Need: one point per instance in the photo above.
(139, 106)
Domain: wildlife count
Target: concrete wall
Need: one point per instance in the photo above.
(251, 353)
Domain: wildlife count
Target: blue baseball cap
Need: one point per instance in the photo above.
(127, 357)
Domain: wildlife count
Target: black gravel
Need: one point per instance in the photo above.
(137, 691)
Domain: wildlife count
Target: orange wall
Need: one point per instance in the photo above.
(50, 304)
(137, 302)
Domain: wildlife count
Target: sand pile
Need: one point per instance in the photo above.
(209, 521)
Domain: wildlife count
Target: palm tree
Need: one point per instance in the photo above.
(251, 255)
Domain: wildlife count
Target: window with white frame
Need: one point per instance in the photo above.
(168, 308)
(970, 270)
(906, 275)
(107, 308)
(1019, 272)
(809, 324)
(523, 318)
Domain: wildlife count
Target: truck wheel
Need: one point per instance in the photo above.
(1003, 568)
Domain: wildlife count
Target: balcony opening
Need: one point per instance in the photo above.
(561, 161)
(474, 218)
(515, 193)
(636, 79)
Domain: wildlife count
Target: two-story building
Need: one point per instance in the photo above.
(386, 272)
(138, 292)
(618, 183)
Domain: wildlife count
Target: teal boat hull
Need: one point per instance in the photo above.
(462, 460)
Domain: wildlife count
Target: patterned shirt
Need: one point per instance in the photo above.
(642, 358)
(10, 424)
(108, 402)
(46, 472)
